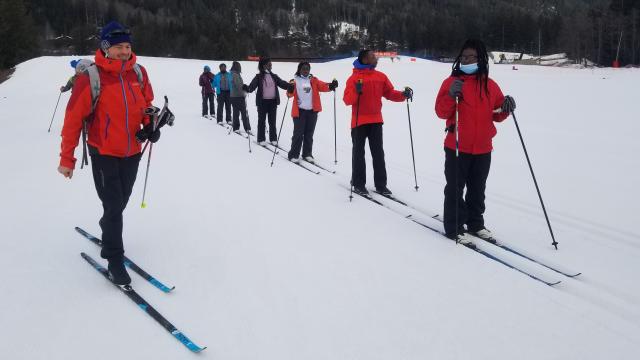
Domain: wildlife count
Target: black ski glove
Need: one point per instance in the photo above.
(455, 90)
(333, 85)
(245, 88)
(508, 105)
(408, 93)
(147, 133)
(291, 87)
(359, 87)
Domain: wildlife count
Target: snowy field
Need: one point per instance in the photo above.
(276, 263)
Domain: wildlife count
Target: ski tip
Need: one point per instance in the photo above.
(554, 283)
(166, 289)
(199, 350)
(574, 275)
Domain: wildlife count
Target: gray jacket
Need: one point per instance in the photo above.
(236, 85)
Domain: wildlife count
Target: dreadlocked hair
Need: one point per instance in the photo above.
(482, 75)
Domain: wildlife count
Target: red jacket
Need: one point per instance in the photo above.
(375, 86)
(316, 87)
(475, 114)
(118, 115)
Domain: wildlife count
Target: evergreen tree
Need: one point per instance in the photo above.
(16, 32)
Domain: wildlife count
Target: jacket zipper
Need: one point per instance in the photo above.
(126, 110)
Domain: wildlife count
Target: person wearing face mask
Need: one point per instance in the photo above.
(267, 98)
(478, 103)
(305, 109)
(117, 126)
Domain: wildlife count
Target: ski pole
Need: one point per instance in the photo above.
(554, 243)
(335, 132)
(54, 111)
(456, 164)
(280, 131)
(413, 157)
(247, 115)
(356, 127)
(146, 175)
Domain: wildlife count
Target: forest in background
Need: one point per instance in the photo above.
(598, 30)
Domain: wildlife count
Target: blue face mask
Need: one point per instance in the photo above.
(469, 68)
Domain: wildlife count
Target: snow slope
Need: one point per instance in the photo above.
(276, 263)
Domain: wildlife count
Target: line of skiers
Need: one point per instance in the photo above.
(117, 122)
(468, 94)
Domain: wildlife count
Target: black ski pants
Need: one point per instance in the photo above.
(239, 105)
(303, 129)
(114, 178)
(224, 99)
(359, 135)
(472, 173)
(207, 99)
(267, 109)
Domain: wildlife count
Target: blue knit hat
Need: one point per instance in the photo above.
(74, 63)
(207, 68)
(114, 33)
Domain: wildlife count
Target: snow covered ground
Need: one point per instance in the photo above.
(276, 263)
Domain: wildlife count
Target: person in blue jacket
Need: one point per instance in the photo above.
(222, 83)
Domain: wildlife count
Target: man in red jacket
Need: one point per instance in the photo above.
(116, 127)
(478, 102)
(364, 91)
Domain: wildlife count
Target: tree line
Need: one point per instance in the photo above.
(598, 30)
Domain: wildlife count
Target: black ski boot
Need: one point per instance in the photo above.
(361, 190)
(384, 191)
(117, 272)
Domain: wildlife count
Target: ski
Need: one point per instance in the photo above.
(244, 135)
(497, 243)
(473, 247)
(130, 264)
(320, 166)
(278, 152)
(516, 252)
(144, 305)
(490, 256)
(370, 198)
(391, 197)
(302, 159)
(507, 248)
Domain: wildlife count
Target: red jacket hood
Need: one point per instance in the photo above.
(114, 65)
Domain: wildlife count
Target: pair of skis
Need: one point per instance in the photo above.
(473, 247)
(135, 297)
(270, 147)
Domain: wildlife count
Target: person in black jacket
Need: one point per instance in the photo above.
(267, 98)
